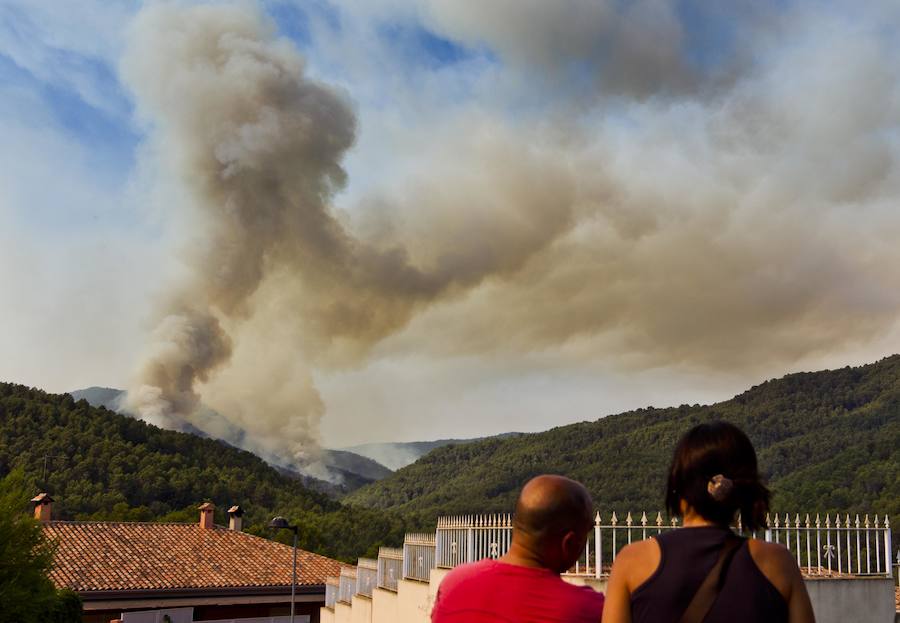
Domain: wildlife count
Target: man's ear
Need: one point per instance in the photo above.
(568, 542)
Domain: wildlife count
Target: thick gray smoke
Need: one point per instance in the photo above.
(258, 148)
(733, 215)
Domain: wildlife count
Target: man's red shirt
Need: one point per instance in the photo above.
(490, 591)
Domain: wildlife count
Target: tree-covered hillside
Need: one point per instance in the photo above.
(348, 471)
(827, 440)
(100, 465)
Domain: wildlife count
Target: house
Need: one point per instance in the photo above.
(181, 572)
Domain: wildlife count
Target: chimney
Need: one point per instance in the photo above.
(235, 515)
(43, 505)
(206, 515)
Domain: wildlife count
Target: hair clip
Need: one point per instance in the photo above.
(719, 487)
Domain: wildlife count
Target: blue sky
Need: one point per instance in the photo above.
(682, 198)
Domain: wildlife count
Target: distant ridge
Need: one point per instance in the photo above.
(395, 455)
(828, 440)
(100, 397)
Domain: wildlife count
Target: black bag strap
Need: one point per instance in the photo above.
(709, 589)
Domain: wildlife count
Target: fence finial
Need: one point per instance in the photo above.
(837, 521)
(659, 520)
(643, 518)
(597, 519)
(876, 522)
(614, 520)
(807, 520)
(887, 522)
(628, 520)
(818, 521)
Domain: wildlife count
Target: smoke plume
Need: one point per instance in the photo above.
(258, 147)
(733, 215)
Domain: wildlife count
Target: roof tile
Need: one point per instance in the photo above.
(99, 556)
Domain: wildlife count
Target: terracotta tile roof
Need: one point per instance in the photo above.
(110, 556)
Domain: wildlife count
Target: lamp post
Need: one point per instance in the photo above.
(280, 523)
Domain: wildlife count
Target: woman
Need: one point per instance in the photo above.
(703, 572)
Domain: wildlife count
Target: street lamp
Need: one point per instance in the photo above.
(280, 523)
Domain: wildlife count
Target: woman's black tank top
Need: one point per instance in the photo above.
(688, 554)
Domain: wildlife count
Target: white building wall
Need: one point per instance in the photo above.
(834, 601)
(869, 600)
(413, 602)
(342, 613)
(326, 615)
(362, 609)
(384, 606)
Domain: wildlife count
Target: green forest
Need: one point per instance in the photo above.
(827, 441)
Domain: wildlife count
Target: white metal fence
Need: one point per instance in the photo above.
(854, 548)
(839, 547)
(469, 538)
(346, 585)
(331, 591)
(366, 576)
(848, 547)
(418, 556)
(390, 567)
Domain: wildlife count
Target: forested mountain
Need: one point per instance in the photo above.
(348, 471)
(827, 440)
(100, 465)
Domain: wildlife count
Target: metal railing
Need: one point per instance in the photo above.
(418, 556)
(331, 591)
(366, 576)
(849, 548)
(472, 537)
(390, 568)
(346, 585)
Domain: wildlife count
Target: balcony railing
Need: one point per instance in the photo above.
(331, 591)
(418, 556)
(346, 585)
(846, 546)
(366, 576)
(390, 568)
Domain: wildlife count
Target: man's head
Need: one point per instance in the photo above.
(552, 520)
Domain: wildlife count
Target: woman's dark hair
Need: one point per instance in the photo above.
(709, 450)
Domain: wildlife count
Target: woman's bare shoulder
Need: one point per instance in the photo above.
(776, 563)
(637, 562)
(639, 549)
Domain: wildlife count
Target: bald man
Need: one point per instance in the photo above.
(552, 520)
